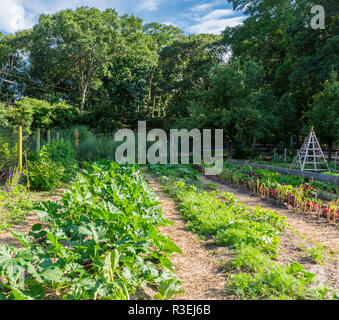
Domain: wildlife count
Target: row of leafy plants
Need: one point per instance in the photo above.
(253, 234)
(99, 242)
(291, 191)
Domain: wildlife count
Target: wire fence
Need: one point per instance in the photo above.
(8, 151)
(89, 146)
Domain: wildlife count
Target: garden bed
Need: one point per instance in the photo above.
(317, 176)
(213, 214)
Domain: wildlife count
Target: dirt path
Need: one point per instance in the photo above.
(197, 267)
(31, 220)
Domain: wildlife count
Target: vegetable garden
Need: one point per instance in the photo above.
(101, 240)
(76, 225)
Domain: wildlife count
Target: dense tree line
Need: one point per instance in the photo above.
(266, 81)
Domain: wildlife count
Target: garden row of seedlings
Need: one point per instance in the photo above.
(99, 242)
(286, 190)
(253, 234)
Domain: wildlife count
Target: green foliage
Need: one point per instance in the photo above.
(3, 117)
(254, 235)
(269, 279)
(53, 164)
(168, 288)
(316, 253)
(44, 174)
(231, 223)
(64, 115)
(15, 201)
(64, 154)
(277, 34)
(241, 152)
(175, 170)
(8, 151)
(120, 70)
(101, 242)
(21, 114)
(324, 115)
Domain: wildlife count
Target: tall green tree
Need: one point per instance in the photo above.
(74, 46)
(184, 66)
(324, 115)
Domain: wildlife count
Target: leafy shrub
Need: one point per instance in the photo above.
(44, 174)
(241, 152)
(8, 151)
(63, 153)
(90, 147)
(53, 164)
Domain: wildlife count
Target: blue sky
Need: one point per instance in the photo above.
(193, 16)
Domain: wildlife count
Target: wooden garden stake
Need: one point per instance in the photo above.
(48, 136)
(20, 148)
(38, 138)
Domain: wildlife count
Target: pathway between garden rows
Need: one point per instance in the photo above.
(200, 266)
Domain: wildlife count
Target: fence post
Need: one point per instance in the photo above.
(48, 136)
(335, 160)
(58, 135)
(20, 149)
(285, 155)
(38, 138)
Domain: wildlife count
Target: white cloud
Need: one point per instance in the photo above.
(215, 26)
(219, 13)
(202, 7)
(150, 5)
(13, 16)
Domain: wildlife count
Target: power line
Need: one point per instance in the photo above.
(34, 81)
(40, 88)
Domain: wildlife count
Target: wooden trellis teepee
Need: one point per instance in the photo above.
(311, 155)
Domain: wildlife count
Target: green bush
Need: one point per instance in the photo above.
(44, 173)
(53, 164)
(90, 147)
(63, 153)
(241, 152)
